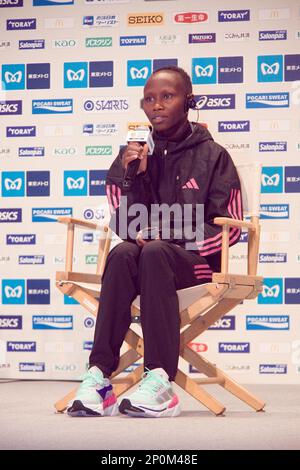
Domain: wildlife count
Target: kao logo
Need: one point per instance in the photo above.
(272, 180)
(13, 291)
(272, 292)
(270, 68)
(75, 183)
(138, 72)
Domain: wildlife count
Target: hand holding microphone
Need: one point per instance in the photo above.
(134, 159)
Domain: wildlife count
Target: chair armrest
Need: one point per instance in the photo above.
(233, 223)
(82, 223)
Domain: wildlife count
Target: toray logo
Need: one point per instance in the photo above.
(21, 346)
(75, 183)
(233, 15)
(272, 179)
(13, 183)
(234, 347)
(270, 68)
(13, 291)
(138, 71)
(21, 131)
(14, 24)
(272, 292)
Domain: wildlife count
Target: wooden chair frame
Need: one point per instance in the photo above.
(206, 304)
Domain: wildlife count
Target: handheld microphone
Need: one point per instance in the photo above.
(143, 136)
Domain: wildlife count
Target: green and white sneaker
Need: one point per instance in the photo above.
(95, 396)
(154, 397)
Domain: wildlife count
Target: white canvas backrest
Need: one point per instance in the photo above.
(250, 178)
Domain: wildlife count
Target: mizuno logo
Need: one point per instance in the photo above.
(75, 76)
(75, 184)
(13, 184)
(11, 292)
(139, 73)
(204, 71)
(267, 69)
(270, 180)
(191, 184)
(271, 291)
(13, 77)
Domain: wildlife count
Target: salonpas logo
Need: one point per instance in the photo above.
(145, 19)
(98, 42)
(98, 150)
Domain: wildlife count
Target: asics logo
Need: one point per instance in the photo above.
(204, 71)
(13, 292)
(13, 184)
(75, 184)
(139, 73)
(75, 76)
(271, 291)
(270, 180)
(13, 77)
(267, 69)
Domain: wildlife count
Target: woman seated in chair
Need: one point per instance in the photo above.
(187, 167)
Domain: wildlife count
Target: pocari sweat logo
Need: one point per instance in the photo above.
(13, 291)
(267, 100)
(50, 214)
(274, 211)
(13, 183)
(212, 102)
(75, 183)
(204, 70)
(267, 322)
(270, 68)
(272, 292)
(138, 72)
(13, 76)
(52, 322)
(52, 106)
(272, 179)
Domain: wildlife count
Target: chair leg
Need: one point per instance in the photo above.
(199, 393)
(207, 368)
(61, 405)
(129, 381)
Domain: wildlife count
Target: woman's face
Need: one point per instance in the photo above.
(164, 100)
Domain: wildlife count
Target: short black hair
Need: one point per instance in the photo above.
(183, 74)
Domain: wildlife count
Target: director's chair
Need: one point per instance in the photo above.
(200, 306)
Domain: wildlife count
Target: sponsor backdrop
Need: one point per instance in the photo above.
(72, 75)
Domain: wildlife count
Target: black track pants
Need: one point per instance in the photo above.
(155, 272)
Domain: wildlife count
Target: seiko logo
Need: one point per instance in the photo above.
(148, 19)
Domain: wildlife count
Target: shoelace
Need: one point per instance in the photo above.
(151, 382)
(88, 381)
